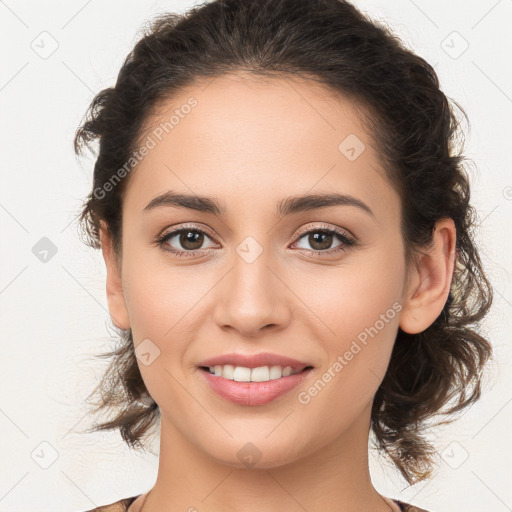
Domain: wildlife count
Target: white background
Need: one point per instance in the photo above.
(54, 315)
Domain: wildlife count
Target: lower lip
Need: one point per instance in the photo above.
(253, 393)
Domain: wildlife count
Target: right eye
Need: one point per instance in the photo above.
(189, 238)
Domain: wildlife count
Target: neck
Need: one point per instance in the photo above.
(331, 479)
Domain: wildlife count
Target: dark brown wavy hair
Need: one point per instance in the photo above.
(416, 130)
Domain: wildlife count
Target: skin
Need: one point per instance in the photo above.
(250, 144)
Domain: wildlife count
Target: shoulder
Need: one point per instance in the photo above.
(122, 506)
(118, 506)
(406, 507)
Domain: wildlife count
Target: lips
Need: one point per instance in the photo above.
(255, 361)
(254, 393)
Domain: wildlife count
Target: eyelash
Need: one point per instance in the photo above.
(346, 240)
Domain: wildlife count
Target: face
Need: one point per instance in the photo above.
(321, 285)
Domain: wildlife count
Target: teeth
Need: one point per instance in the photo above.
(243, 374)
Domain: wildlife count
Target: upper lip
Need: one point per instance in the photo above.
(255, 360)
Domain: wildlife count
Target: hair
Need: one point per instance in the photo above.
(416, 130)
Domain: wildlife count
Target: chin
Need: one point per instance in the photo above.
(255, 454)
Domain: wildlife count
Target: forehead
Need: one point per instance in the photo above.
(237, 138)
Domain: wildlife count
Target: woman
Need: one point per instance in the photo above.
(286, 227)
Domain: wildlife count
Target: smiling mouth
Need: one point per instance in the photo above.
(259, 374)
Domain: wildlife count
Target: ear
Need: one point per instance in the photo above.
(430, 281)
(115, 295)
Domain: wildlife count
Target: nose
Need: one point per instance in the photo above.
(253, 297)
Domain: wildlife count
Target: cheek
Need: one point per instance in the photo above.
(358, 309)
(357, 356)
(158, 296)
(354, 296)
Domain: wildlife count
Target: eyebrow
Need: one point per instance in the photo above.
(288, 206)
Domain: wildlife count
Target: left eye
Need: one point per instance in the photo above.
(322, 239)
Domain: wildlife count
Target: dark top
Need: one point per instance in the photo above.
(122, 506)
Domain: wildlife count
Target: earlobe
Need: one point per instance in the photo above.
(115, 295)
(430, 284)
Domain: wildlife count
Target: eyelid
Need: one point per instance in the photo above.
(173, 230)
(302, 231)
